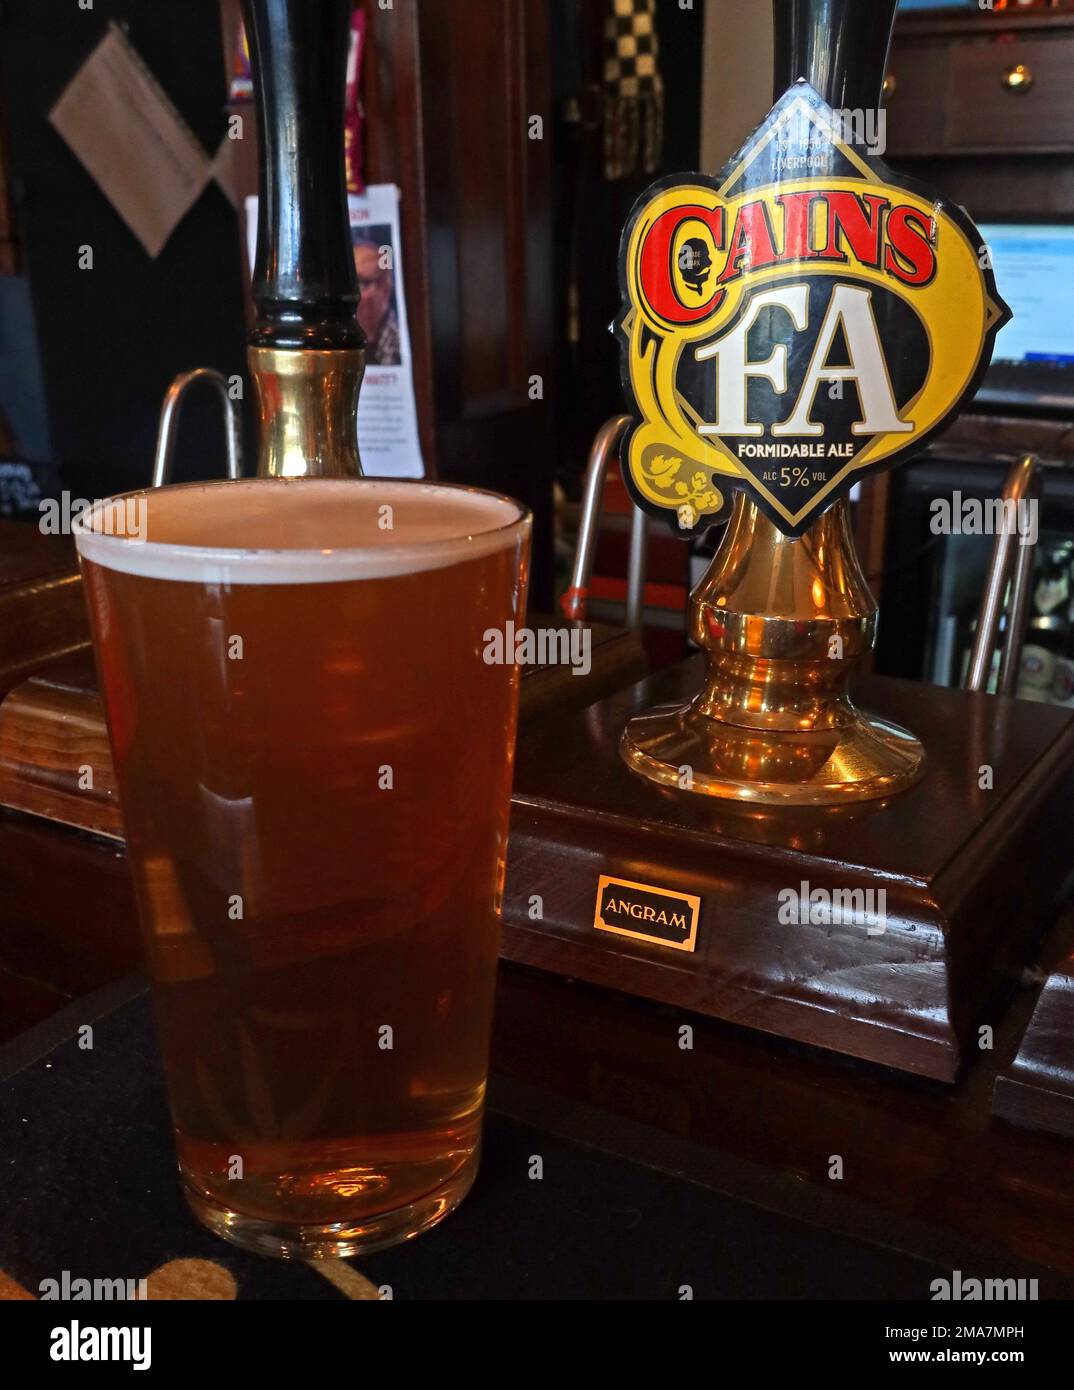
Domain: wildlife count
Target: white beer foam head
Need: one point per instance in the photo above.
(295, 530)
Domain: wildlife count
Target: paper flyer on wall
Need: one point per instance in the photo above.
(387, 414)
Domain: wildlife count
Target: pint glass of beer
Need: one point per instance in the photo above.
(314, 757)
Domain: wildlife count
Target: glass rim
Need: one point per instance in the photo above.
(292, 564)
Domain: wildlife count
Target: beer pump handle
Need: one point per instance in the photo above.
(839, 46)
(305, 289)
(306, 346)
(774, 721)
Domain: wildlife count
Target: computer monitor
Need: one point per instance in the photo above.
(1034, 267)
(1033, 363)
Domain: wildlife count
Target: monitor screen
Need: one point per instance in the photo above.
(1034, 266)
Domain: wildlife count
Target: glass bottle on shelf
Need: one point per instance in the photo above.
(1046, 653)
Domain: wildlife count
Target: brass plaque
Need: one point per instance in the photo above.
(645, 912)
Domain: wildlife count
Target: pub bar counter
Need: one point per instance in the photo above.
(783, 1004)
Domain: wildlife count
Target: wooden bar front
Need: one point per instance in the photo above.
(966, 860)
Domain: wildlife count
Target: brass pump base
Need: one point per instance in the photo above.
(681, 747)
(783, 623)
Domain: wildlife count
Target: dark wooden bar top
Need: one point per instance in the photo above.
(52, 724)
(968, 866)
(926, 1168)
(1037, 1089)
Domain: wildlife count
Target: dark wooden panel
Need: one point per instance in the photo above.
(1037, 1089)
(395, 153)
(490, 203)
(42, 613)
(1026, 186)
(923, 1163)
(984, 116)
(484, 74)
(989, 23)
(1008, 436)
(488, 190)
(915, 108)
(67, 915)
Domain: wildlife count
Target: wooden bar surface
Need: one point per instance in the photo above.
(926, 1168)
(55, 760)
(42, 613)
(1037, 1089)
(969, 871)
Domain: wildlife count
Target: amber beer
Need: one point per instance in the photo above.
(314, 762)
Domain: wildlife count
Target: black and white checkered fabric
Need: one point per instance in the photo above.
(631, 48)
(633, 89)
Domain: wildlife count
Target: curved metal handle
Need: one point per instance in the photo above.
(1018, 78)
(890, 87)
(169, 423)
(1022, 481)
(605, 448)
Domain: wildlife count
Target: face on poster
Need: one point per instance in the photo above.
(378, 311)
